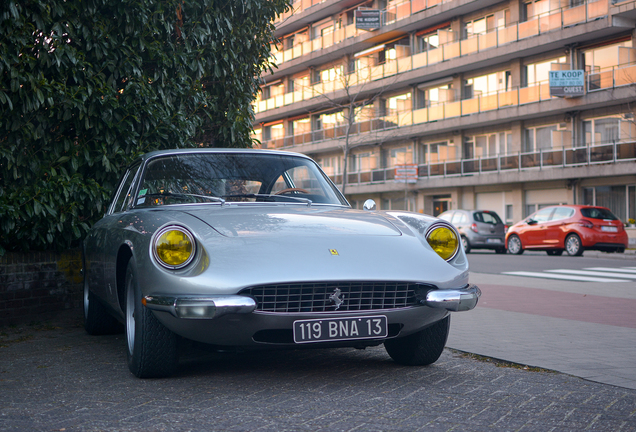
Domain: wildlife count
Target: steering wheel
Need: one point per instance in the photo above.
(280, 192)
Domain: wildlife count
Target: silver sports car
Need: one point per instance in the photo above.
(256, 249)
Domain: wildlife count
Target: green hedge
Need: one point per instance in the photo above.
(87, 85)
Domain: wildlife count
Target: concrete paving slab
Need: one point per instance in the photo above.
(592, 336)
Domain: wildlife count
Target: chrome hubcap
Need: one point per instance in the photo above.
(130, 317)
(513, 245)
(573, 245)
(85, 300)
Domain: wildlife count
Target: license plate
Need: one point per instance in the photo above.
(495, 240)
(609, 229)
(338, 329)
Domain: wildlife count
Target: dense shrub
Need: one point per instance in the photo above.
(87, 85)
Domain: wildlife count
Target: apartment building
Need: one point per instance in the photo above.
(454, 96)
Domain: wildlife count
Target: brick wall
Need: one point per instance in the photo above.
(36, 284)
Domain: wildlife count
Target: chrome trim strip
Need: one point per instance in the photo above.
(222, 304)
(454, 300)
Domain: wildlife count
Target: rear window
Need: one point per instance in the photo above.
(597, 213)
(487, 217)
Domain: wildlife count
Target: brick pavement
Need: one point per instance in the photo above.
(57, 378)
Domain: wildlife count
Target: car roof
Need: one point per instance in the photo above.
(200, 150)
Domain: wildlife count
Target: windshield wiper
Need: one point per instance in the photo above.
(183, 196)
(272, 198)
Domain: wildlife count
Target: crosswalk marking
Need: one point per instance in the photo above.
(616, 270)
(594, 273)
(563, 277)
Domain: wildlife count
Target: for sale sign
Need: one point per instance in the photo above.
(367, 19)
(567, 83)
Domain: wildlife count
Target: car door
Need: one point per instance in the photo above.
(534, 232)
(555, 228)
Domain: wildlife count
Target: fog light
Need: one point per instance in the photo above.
(195, 309)
(444, 241)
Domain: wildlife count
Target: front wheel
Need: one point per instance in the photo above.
(151, 347)
(465, 244)
(421, 348)
(514, 245)
(573, 245)
(97, 319)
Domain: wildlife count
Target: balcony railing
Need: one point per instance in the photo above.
(613, 77)
(556, 19)
(615, 152)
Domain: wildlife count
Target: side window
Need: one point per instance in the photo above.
(120, 203)
(446, 216)
(543, 215)
(562, 213)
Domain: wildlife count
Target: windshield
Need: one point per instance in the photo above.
(234, 177)
(597, 213)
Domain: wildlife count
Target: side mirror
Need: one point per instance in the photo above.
(531, 222)
(369, 205)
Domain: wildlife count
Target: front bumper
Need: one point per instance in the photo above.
(194, 307)
(454, 300)
(201, 307)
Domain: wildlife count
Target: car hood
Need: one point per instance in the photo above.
(296, 221)
(245, 245)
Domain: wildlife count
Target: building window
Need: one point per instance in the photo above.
(487, 84)
(602, 131)
(438, 152)
(536, 73)
(609, 56)
(534, 9)
(619, 199)
(488, 145)
(538, 138)
(486, 24)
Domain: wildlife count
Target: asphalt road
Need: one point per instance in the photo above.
(484, 261)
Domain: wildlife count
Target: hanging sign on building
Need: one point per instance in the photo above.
(567, 83)
(405, 173)
(367, 19)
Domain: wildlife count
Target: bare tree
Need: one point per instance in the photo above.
(353, 97)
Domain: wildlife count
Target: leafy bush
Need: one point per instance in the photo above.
(87, 85)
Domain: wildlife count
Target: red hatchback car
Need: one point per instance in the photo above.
(573, 228)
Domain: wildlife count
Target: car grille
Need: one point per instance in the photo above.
(324, 297)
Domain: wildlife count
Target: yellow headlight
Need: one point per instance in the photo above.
(174, 247)
(444, 241)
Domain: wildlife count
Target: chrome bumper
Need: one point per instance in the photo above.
(200, 307)
(454, 300)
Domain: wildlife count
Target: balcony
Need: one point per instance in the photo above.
(615, 152)
(604, 79)
(556, 19)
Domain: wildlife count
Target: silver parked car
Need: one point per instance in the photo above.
(256, 249)
(479, 229)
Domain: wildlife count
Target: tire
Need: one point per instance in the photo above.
(151, 348)
(421, 348)
(501, 250)
(554, 252)
(573, 245)
(514, 245)
(465, 244)
(97, 320)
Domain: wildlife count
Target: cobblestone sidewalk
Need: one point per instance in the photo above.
(54, 377)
